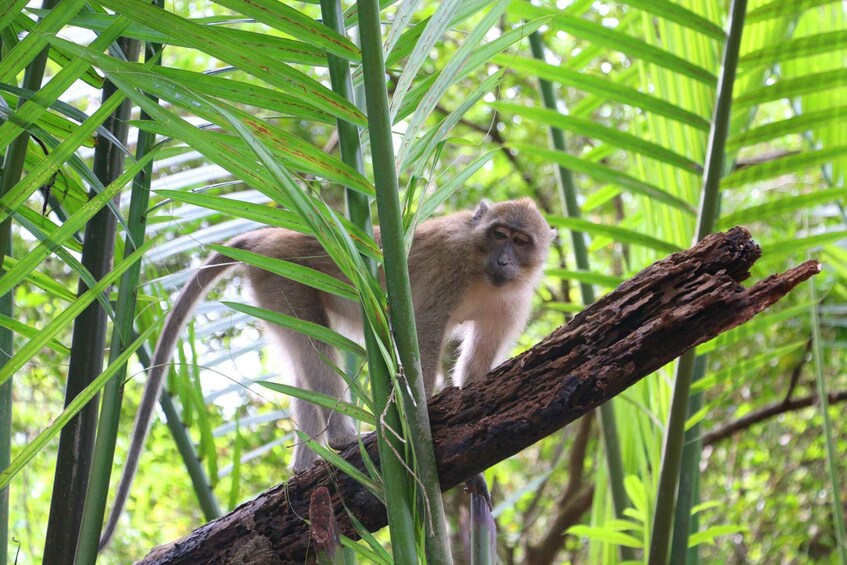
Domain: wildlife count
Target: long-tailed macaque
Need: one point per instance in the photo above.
(473, 274)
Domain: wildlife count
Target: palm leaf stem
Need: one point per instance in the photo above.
(76, 442)
(358, 207)
(13, 165)
(6, 343)
(113, 391)
(672, 474)
(833, 455)
(401, 314)
(568, 198)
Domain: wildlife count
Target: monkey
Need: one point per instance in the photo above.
(472, 273)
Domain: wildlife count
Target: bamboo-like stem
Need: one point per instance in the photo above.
(184, 444)
(401, 312)
(568, 198)
(107, 428)
(688, 491)
(6, 343)
(833, 455)
(122, 336)
(669, 477)
(358, 207)
(76, 443)
(13, 166)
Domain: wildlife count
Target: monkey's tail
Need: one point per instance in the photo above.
(214, 267)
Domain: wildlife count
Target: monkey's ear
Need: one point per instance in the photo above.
(481, 210)
(554, 233)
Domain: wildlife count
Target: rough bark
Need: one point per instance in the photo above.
(669, 307)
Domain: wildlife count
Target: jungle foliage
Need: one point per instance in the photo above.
(135, 135)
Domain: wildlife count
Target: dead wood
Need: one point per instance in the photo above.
(669, 307)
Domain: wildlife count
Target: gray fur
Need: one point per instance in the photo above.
(472, 275)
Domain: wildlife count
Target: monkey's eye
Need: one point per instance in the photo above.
(522, 240)
(501, 234)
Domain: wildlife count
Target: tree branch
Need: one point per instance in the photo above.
(798, 371)
(671, 306)
(767, 412)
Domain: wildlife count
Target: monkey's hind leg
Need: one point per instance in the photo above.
(308, 418)
(311, 372)
(308, 361)
(340, 430)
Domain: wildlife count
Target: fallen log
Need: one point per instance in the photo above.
(669, 307)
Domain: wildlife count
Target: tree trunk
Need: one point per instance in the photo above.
(669, 307)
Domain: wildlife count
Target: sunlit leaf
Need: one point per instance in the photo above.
(299, 273)
(800, 47)
(709, 534)
(310, 329)
(589, 128)
(605, 535)
(616, 233)
(782, 165)
(788, 88)
(334, 404)
(602, 173)
(78, 403)
(604, 88)
(681, 15)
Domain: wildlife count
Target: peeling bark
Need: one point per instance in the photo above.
(669, 307)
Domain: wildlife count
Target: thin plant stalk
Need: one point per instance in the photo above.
(13, 166)
(397, 484)
(185, 446)
(688, 491)
(6, 343)
(358, 207)
(76, 443)
(833, 456)
(401, 312)
(568, 198)
(122, 335)
(669, 476)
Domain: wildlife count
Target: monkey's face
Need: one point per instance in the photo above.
(510, 252)
(514, 240)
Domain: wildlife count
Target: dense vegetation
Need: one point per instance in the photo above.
(611, 111)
